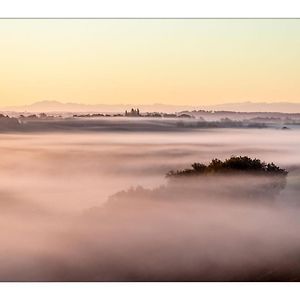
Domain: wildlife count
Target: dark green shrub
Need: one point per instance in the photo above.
(235, 164)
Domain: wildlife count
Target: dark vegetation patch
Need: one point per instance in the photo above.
(233, 165)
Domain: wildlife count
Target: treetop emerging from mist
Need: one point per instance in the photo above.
(235, 164)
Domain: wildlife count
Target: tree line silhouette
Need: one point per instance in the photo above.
(234, 164)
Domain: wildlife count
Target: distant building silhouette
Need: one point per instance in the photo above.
(133, 113)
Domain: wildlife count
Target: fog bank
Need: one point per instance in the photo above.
(97, 207)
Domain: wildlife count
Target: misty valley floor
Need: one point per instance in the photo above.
(63, 217)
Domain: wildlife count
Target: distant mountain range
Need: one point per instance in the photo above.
(284, 107)
(56, 106)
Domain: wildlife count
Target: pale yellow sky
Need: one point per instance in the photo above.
(189, 62)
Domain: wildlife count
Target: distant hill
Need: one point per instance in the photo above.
(56, 106)
(284, 107)
(47, 106)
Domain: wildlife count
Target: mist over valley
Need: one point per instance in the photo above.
(97, 206)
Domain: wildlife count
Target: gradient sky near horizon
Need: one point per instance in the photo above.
(188, 62)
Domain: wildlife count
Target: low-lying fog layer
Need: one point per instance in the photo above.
(64, 215)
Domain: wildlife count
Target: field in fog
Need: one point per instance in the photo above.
(97, 207)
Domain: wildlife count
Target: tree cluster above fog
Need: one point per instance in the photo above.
(235, 164)
(8, 123)
(252, 180)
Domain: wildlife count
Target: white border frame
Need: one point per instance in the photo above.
(149, 9)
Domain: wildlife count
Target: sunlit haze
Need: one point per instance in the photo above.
(179, 62)
(149, 150)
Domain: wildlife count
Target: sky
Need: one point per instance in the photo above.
(178, 61)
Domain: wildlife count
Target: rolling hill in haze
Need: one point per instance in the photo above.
(56, 106)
